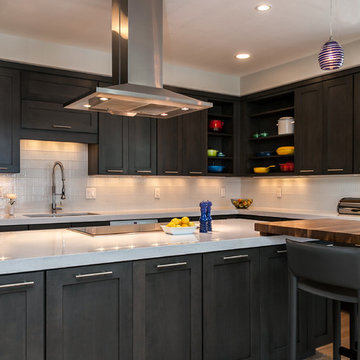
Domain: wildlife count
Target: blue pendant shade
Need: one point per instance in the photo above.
(331, 56)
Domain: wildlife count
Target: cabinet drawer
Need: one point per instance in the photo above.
(51, 116)
(53, 88)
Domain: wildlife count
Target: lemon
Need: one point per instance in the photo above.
(170, 224)
(191, 223)
(185, 220)
(184, 225)
(177, 225)
(176, 221)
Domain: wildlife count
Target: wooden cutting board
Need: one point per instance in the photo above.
(344, 231)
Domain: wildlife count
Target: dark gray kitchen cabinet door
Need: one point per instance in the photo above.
(169, 146)
(338, 125)
(194, 143)
(231, 306)
(89, 313)
(110, 155)
(9, 121)
(142, 146)
(309, 131)
(167, 308)
(22, 317)
(357, 123)
(43, 96)
(274, 307)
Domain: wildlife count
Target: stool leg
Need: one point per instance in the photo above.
(293, 315)
(337, 329)
(358, 327)
(353, 326)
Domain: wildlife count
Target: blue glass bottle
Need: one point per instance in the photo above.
(203, 217)
(208, 216)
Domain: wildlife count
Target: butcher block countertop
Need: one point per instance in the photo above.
(342, 231)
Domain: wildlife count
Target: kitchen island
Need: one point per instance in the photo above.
(151, 296)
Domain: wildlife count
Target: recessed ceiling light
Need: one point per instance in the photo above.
(263, 7)
(87, 105)
(185, 109)
(242, 56)
(164, 114)
(104, 99)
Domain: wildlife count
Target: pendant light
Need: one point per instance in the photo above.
(331, 56)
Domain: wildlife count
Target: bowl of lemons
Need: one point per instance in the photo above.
(179, 226)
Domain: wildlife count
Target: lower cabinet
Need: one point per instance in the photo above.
(167, 308)
(22, 317)
(230, 298)
(89, 313)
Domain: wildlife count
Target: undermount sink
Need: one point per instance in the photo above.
(60, 215)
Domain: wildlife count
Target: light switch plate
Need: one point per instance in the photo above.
(157, 193)
(90, 193)
(222, 192)
(279, 192)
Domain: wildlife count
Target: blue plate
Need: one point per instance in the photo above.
(216, 168)
(264, 153)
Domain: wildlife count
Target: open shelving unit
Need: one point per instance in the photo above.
(222, 140)
(262, 115)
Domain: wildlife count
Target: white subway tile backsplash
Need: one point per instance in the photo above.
(33, 184)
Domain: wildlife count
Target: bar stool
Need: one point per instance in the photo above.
(331, 272)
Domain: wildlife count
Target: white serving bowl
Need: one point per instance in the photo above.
(178, 230)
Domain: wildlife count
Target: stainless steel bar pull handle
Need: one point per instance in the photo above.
(307, 171)
(144, 171)
(103, 273)
(61, 126)
(235, 257)
(3, 168)
(281, 251)
(114, 171)
(171, 172)
(17, 285)
(195, 172)
(335, 170)
(162, 266)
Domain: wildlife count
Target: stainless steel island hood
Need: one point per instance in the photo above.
(137, 32)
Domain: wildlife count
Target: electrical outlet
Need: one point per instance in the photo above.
(90, 193)
(279, 192)
(222, 192)
(157, 193)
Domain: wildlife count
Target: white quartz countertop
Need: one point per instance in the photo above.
(23, 219)
(24, 251)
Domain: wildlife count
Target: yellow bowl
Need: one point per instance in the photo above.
(285, 150)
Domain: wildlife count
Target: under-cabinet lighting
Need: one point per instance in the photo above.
(242, 56)
(87, 105)
(164, 114)
(263, 7)
(104, 99)
(185, 109)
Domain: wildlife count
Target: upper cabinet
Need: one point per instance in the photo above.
(357, 123)
(338, 125)
(194, 143)
(142, 146)
(309, 130)
(43, 97)
(9, 121)
(110, 155)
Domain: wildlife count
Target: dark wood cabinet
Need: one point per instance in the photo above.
(9, 121)
(194, 143)
(338, 125)
(43, 96)
(309, 130)
(169, 146)
(356, 135)
(89, 313)
(110, 155)
(274, 307)
(22, 317)
(167, 309)
(142, 146)
(231, 300)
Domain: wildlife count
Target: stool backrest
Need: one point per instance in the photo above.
(332, 265)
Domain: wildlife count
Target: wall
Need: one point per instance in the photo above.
(114, 193)
(301, 193)
(67, 57)
(295, 71)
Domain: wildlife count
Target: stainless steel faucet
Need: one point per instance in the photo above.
(55, 208)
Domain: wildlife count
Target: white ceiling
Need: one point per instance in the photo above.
(198, 33)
